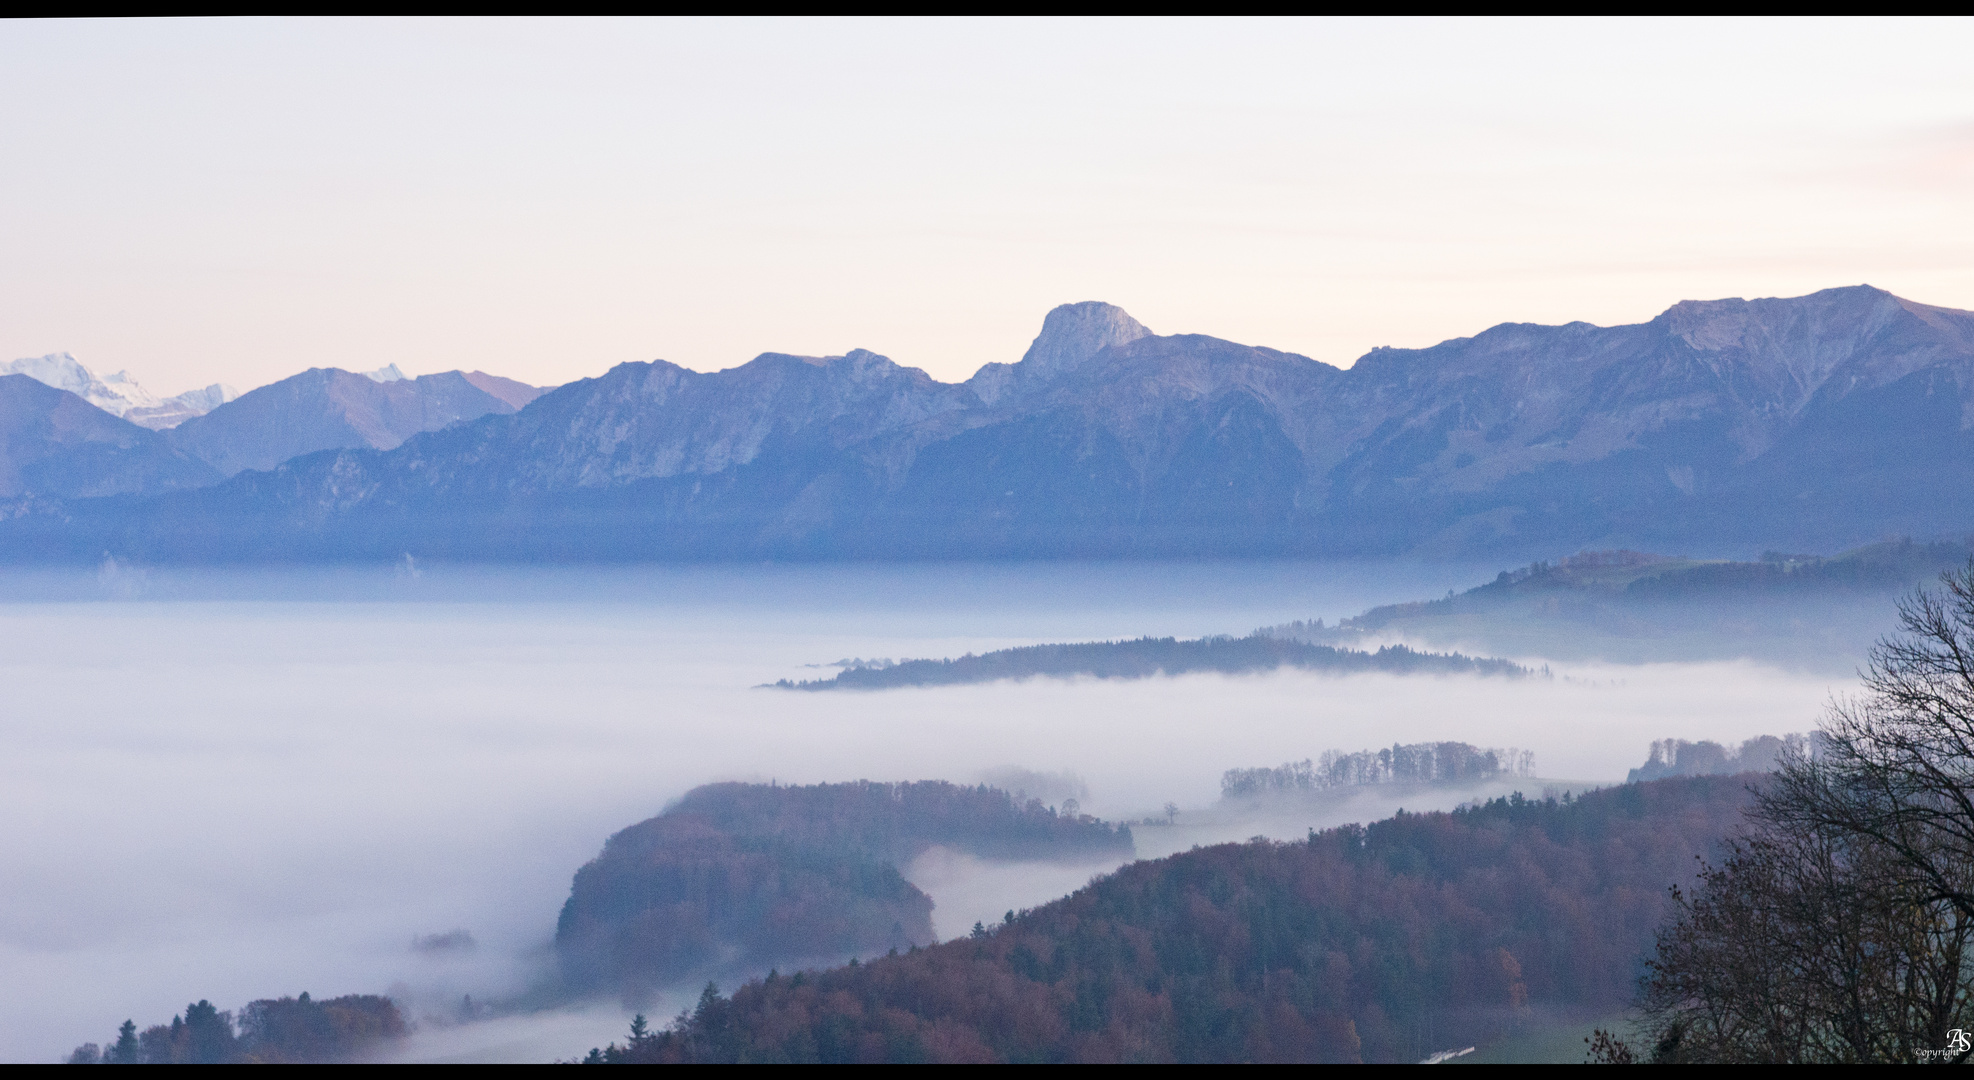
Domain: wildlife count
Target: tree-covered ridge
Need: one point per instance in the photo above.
(738, 876)
(1608, 579)
(1147, 657)
(1379, 943)
(898, 820)
(289, 1030)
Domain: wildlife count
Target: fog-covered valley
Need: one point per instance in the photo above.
(230, 785)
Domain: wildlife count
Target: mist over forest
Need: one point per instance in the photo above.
(401, 756)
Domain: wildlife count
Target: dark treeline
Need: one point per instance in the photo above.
(1379, 943)
(1419, 763)
(289, 1030)
(1147, 657)
(745, 875)
(1677, 757)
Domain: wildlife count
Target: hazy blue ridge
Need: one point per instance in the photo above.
(1147, 657)
(328, 409)
(1724, 427)
(55, 446)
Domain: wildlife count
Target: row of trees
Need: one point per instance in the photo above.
(1677, 757)
(1418, 763)
(1837, 929)
(271, 1030)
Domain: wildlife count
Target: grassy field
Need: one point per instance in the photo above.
(1548, 1044)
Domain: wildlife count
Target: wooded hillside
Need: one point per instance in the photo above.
(1382, 943)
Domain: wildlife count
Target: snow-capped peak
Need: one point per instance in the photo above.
(118, 394)
(58, 370)
(387, 373)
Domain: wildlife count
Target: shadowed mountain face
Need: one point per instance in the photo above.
(327, 408)
(517, 394)
(54, 444)
(1810, 423)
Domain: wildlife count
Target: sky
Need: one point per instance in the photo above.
(237, 200)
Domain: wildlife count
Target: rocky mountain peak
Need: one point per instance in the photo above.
(1738, 323)
(1073, 333)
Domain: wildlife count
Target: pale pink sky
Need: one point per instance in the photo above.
(235, 201)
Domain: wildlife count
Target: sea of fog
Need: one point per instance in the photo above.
(232, 785)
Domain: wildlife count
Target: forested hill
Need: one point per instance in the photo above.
(747, 875)
(897, 821)
(1421, 933)
(1633, 606)
(1147, 657)
(1638, 577)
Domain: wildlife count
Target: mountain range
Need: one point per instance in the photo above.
(328, 408)
(118, 394)
(1719, 427)
(58, 441)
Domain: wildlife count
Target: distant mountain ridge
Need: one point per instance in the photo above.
(1807, 423)
(118, 394)
(328, 408)
(55, 445)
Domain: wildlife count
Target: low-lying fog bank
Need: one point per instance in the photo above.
(212, 796)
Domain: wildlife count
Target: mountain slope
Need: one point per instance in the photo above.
(328, 408)
(515, 393)
(1071, 335)
(1664, 433)
(55, 444)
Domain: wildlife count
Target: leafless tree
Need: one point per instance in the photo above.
(1896, 764)
(1837, 930)
(1805, 948)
